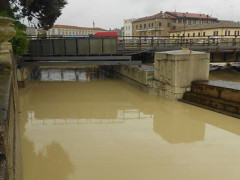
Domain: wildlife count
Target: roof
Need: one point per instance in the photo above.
(106, 34)
(210, 26)
(155, 16)
(173, 15)
(77, 27)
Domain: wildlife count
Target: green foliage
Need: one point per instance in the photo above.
(42, 13)
(20, 41)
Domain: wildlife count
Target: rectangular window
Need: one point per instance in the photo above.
(204, 33)
(145, 27)
(199, 34)
(193, 34)
(159, 24)
(215, 33)
(168, 25)
(188, 34)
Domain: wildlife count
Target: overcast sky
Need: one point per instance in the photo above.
(111, 13)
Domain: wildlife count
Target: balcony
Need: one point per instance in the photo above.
(141, 30)
(156, 28)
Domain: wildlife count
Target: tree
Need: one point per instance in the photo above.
(42, 13)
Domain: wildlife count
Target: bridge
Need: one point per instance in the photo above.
(64, 51)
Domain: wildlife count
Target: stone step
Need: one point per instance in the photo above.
(213, 103)
(225, 90)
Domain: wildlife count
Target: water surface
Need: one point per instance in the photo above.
(108, 130)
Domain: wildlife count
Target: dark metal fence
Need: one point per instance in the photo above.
(76, 46)
(85, 45)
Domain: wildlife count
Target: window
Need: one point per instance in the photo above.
(204, 33)
(227, 33)
(136, 26)
(199, 34)
(145, 27)
(159, 24)
(173, 35)
(168, 25)
(149, 25)
(193, 34)
(152, 24)
(236, 33)
(188, 34)
(215, 33)
(140, 26)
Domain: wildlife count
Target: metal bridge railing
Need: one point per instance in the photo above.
(87, 45)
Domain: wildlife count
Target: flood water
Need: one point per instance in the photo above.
(107, 130)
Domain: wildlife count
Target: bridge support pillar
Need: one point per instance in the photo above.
(177, 69)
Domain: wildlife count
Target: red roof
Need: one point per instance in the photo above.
(188, 15)
(155, 16)
(76, 27)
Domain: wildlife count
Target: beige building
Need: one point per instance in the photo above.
(223, 30)
(156, 25)
(162, 23)
(181, 19)
(64, 30)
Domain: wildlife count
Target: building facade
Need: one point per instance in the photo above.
(128, 27)
(221, 30)
(180, 19)
(64, 30)
(162, 24)
(156, 25)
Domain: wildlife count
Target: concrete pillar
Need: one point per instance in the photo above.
(177, 69)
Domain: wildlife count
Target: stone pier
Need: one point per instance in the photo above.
(175, 71)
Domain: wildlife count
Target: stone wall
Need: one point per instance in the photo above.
(10, 149)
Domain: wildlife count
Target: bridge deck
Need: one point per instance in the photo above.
(77, 60)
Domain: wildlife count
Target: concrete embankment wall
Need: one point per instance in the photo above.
(10, 146)
(141, 78)
(171, 75)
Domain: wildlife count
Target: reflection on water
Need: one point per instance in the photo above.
(108, 130)
(225, 75)
(72, 74)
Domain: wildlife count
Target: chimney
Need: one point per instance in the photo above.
(161, 13)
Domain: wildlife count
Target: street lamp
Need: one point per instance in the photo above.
(184, 24)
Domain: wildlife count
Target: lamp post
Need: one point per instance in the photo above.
(184, 24)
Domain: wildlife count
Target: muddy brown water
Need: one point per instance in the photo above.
(108, 130)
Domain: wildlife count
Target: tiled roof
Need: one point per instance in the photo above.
(76, 27)
(210, 26)
(155, 16)
(188, 15)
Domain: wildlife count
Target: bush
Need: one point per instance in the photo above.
(20, 41)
